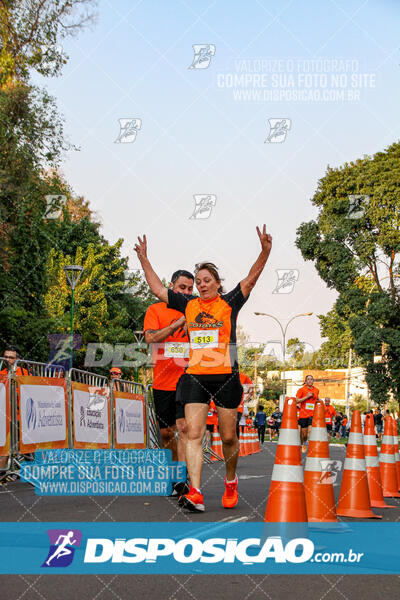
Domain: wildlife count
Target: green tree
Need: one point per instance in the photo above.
(357, 253)
(31, 33)
(295, 349)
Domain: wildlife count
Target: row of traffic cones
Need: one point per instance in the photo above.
(249, 443)
(366, 481)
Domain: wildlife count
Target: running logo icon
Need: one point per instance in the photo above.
(121, 420)
(54, 206)
(62, 547)
(357, 204)
(31, 414)
(203, 54)
(286, 281)
(128, 129)
(203, 205)
(278, 129)
(330, 470)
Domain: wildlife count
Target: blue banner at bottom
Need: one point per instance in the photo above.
(199, 548)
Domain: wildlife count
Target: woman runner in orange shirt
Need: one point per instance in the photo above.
(213, 366)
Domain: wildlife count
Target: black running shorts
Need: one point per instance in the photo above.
(226, 390)
(305, 422)
(167, 408)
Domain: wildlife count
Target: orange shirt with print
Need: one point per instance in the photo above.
(244, 380)
(212, 330)
(330, 412)
(166, 370)
(307, 406)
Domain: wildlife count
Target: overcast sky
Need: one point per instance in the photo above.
(205, 130)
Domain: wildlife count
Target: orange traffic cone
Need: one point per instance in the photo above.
(318, 484)
(396, 450)
(256, 440)
(286, 498)
(242, 445)
(216, 445)
(372, 463)
(387, 462)
(354, 500)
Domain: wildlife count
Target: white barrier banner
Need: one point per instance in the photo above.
(3, 418)
(129, 421)
(90, 417)
(43, 417)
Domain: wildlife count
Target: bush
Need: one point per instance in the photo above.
(269, 406)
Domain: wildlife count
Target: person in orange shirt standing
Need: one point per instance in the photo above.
(165, 329)
(330, 412)
(306, 399)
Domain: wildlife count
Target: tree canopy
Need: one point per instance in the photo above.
(355, 244)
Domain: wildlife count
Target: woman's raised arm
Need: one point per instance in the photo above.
(250, 281)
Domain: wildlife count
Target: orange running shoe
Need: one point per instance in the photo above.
(230, 497)
(193, 500)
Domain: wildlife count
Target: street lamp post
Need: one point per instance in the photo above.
(283, 330)
(72, 273)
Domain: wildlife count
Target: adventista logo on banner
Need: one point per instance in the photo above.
(91, 421)
(62, 547)
(130, 424)
(43, 417)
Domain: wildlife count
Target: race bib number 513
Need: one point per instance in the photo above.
(207, 338)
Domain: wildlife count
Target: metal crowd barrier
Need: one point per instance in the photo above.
(37, 369)
(154, 437)
(130, 387)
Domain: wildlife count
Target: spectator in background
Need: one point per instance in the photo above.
(115, 374)
(277, 416)
(10, 355)
(245, 414)
(330, 413)
(363, 417)
(271, 427)
(343, 427)
(260, 421)
(338, 423)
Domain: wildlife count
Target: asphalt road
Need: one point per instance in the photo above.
(18, 502)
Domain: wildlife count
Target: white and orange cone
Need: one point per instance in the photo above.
(216, 445)
(372, 463)
(387, 462)
(318, 484)
(354, 500)
(286, 499)
(396, 451)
